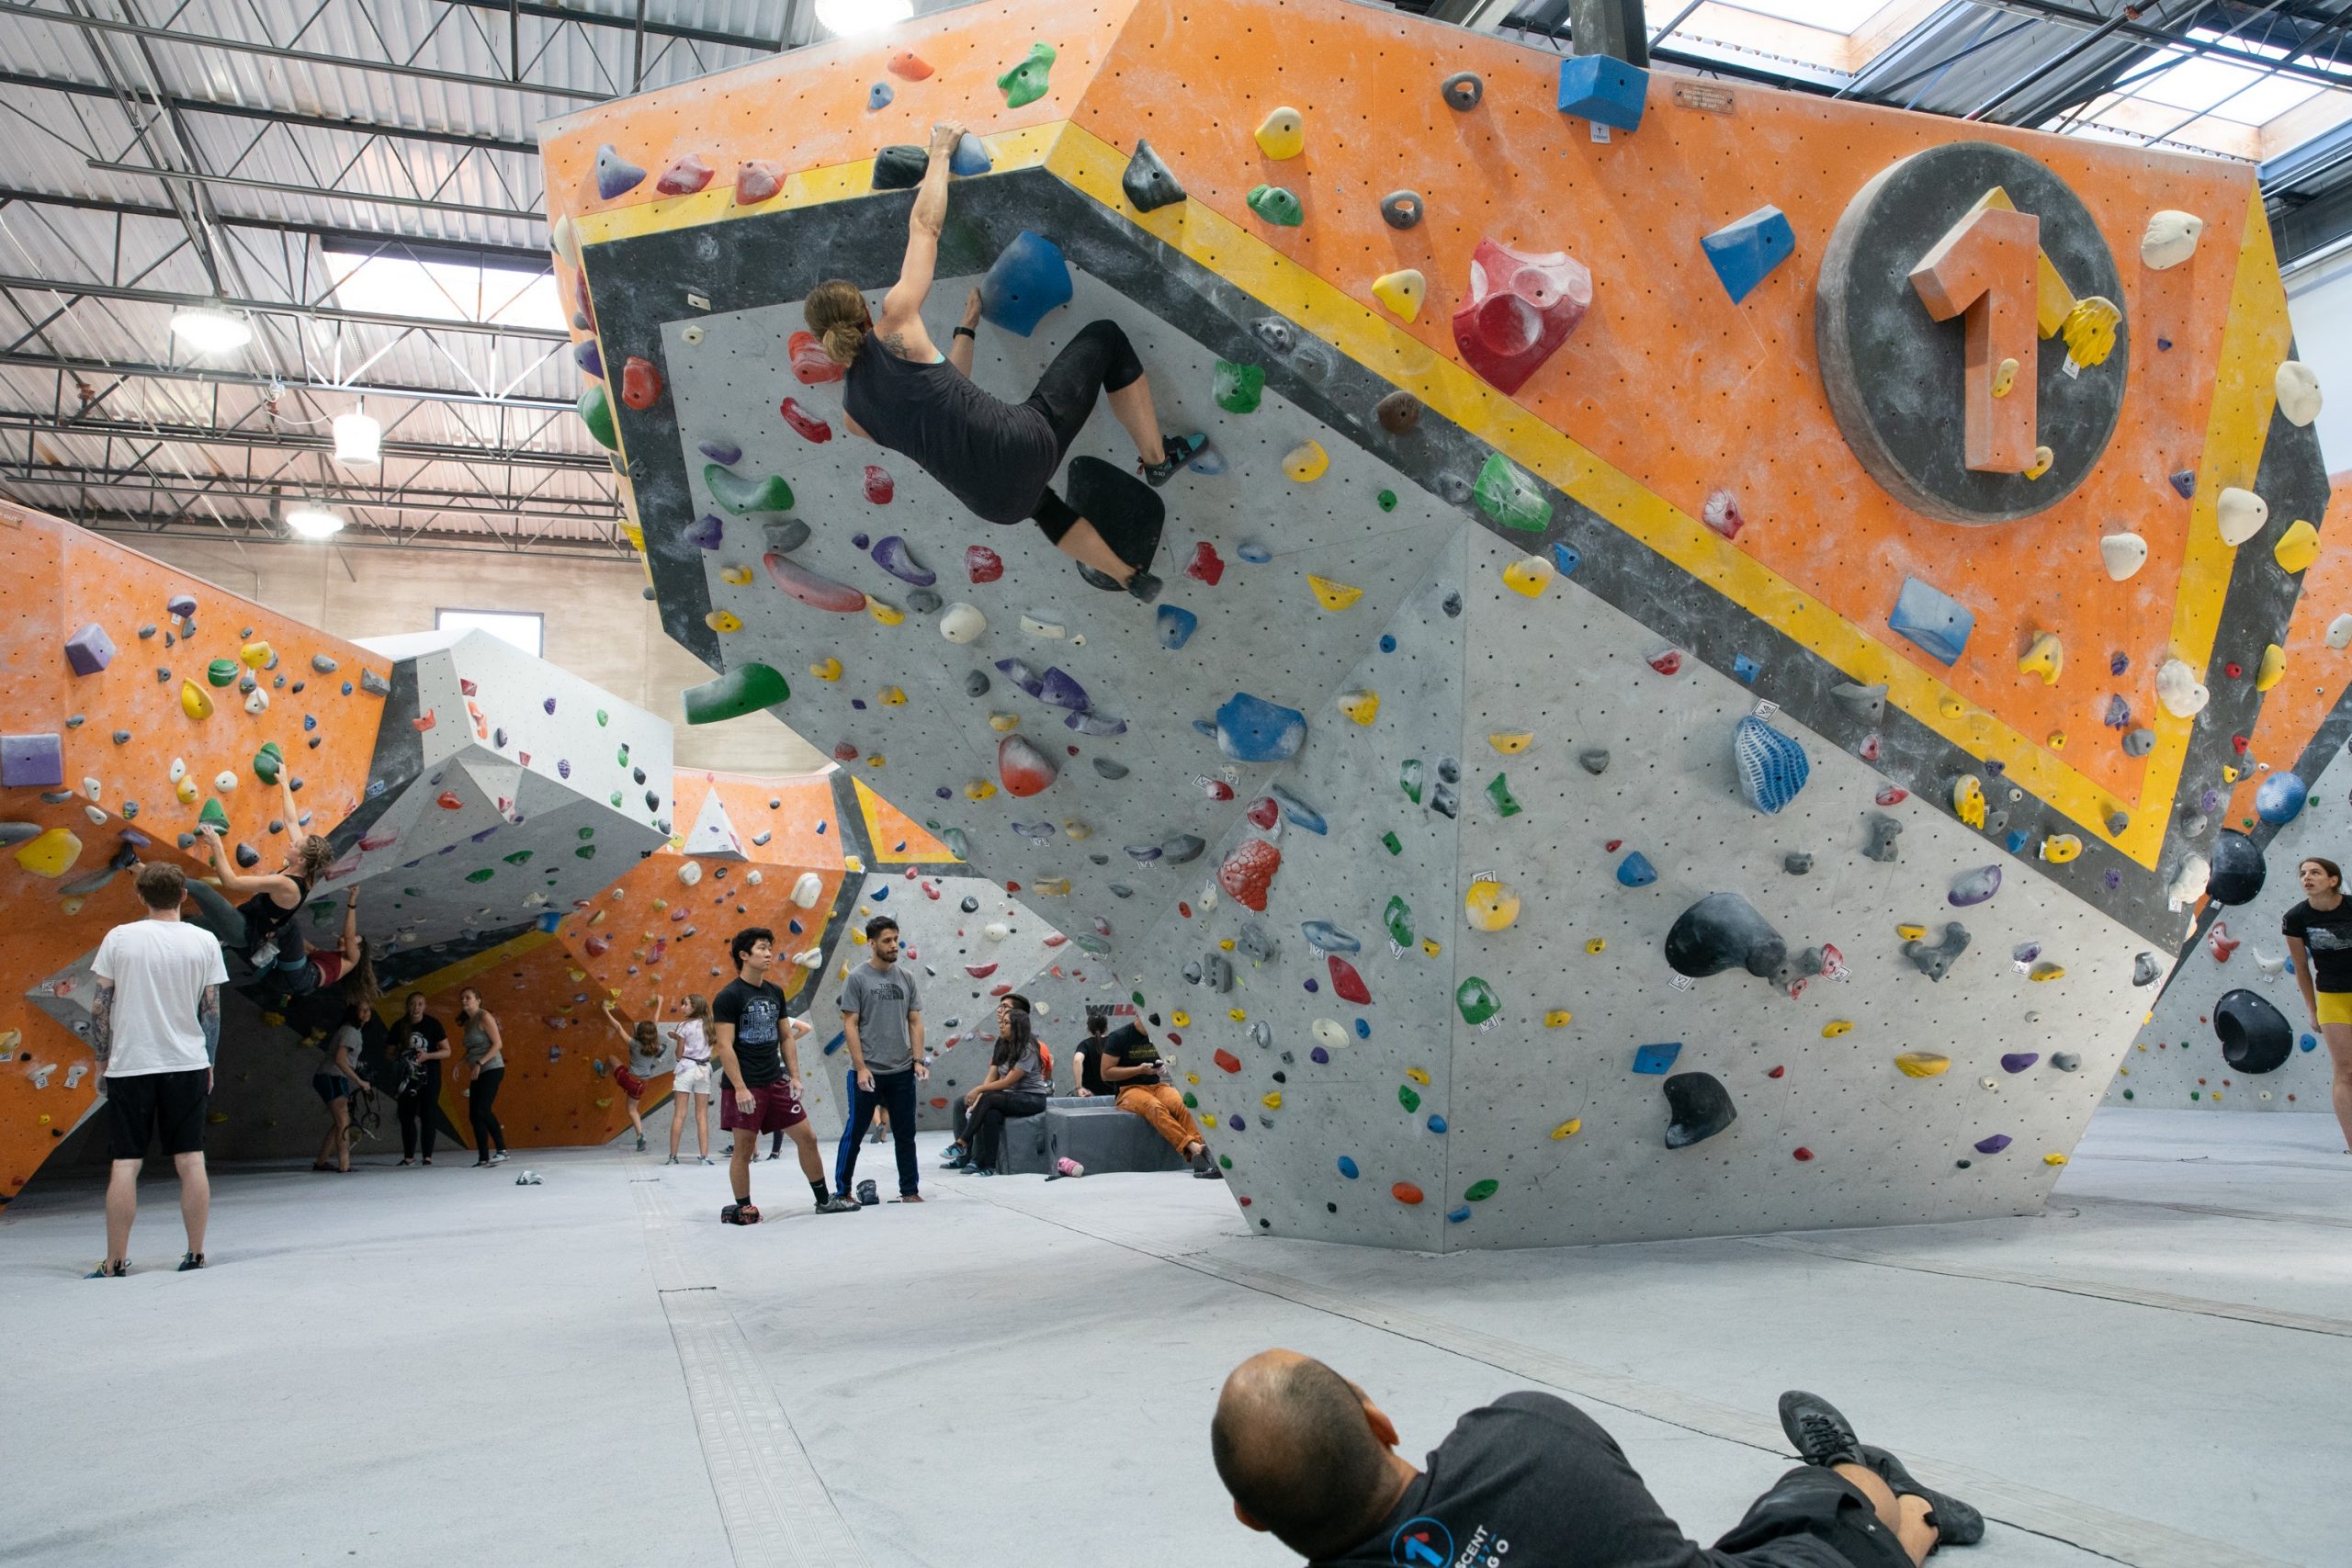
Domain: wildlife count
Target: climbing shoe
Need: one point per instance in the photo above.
(640, 1143)
(1143, 586)
(1957, 1524)
(1178, 450)
(115, 1271)
(1822, 1436)
(952, 1157)
(839, 1206)
(1207, 1171)
(868, 1196)
(196, 1260)
(744, 1212)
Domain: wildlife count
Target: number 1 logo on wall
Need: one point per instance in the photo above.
(1969, 334)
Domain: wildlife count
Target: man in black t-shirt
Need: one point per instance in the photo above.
(419, 1047)
(1125, 1065)
(1530, 1478)
(759, 1089)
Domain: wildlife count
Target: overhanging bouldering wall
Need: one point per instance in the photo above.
(1528, 442)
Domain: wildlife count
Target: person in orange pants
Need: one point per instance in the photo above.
(1126, 1066)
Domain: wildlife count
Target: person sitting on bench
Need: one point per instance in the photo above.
(1017, 1083)
(1126, 1067)
(1309, 1458)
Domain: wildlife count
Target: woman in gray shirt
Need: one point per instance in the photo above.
(1017, 1084)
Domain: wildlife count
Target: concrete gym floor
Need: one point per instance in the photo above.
(399, 1364)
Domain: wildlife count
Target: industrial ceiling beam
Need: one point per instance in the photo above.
(13, 283)
(295, 118)
(100, 370)
(271, 493)
(528, 257)
(655, 29)
(264, 439)
(364, 198)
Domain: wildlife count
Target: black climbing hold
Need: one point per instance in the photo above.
(1865, 702)
(1109, 769)
(899, 168)
(1148, 183)
(2238, 869)
(1699, 1106)
(2256, 1036)
(975, 683)
(1796, 863)
(1594, 760)
(924, 601)
(1401, 209)
(1936, 962)
(1182, 848)
(970, 905)
(2146, 969)
(1723, 931)
(2066, 1061)
(1451, 603)
(1462, 90)
(785, 535)
(248, 857)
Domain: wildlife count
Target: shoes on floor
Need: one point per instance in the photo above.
(1957, 1523)
(909, 1197)
(1820, 1434)
(498, 1158)
(405, 1165)
(840, 1206)
(777, 1154)
(1207, 1171)
(640, 1143)
(706, 1159)
(671, 1160)
(867, 1196)
(427, 1160)
(118, 1269)
(879, 1135)
(741, 1212)
(190, 1260)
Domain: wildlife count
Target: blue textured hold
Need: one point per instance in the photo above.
(1604, 89)
(2280, 798)
(1567, 559)
(1745, 669)
(549, 919)
(1176, 626)
(1456, 1216)
(1933, 619)
(1251, 730)
(1348, 1168)
(1437, 1123)
(1029, 279)
(1656, 1058)
(1745, 251)
(1772, 766)
(1635, 871)
(969, 156)
(878, 95)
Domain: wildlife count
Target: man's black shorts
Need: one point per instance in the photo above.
(145, 1104)
(1813, 1518)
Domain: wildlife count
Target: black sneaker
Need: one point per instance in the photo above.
(1822, 1436)
(840, 1206)
(868, 1196)
(1207, 1171)
(1957, 1524)
(740, 1213)
(196, 1260)
(1177, 451)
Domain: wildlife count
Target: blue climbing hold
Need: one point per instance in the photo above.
(1457, 1215)
(969, 157)
(1301, 814)
(879, 894)
(1567, 559)
(589, 357)
(878, 95)
(1325, 937)
(2280, 798)
(1255, 553)
(1933, 619)
(1364, 1028)
(1772, 766)
(615, 175)
(1319, 1056)
(1437, 1123)
(1745, 251)
(1745, 669)
(1387, 643)
(1176, 626)
(1656, 1059)
(550, 919)
(1604, 90)
(1635, 871)
(2307, 1043)
(1029, 279)
(1251, 730)
(709, 530)
(1348, 1168)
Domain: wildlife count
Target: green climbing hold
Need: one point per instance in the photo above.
(1137, 997)
(1407, 1098)
(586, 852)
(1409, 778)
(1396, 845)
(1479, 1191)
(1477, 999)
(1510, 496)
(1026, 83)
(1400, 918)
(587, 833)
(621, 757)
(1387, 499)
(214, 814)
(596, 413)
(746, 689)
(1191, 1100)
(484, 874)
(520, 857)
(740, 495)
(616, 797)
(222, 671)
(1276, 205)
(1498, 791)
(603, 719)
(1238, 387)
(268, 763)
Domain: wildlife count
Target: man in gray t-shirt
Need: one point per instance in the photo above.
(882, 1023)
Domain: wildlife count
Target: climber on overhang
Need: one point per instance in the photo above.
(998, 458)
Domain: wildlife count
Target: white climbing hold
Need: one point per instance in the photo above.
(806, 891)
(752, 877)
(2180, 691)
(996, 931)
(1327, 1031)
(962, 623)
(564, 239)
(2339, 631)
(2124, 554)
(224, 780)
(2240, 515)
(2298, 386)
(1038, 626)
(690, 872)
(2188, 884)
(2171, 238)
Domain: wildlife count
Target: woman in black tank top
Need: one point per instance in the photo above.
(263, 929)
(998, 458)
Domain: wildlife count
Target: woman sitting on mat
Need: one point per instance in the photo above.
(998, 458)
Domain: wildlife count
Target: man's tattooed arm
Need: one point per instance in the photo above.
(102, 1024)
(207, 1015)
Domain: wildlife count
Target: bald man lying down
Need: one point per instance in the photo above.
(1531, 1482)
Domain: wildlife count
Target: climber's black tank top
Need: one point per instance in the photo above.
(994, 457)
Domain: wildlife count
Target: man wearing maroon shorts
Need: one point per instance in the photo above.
(761, 1088)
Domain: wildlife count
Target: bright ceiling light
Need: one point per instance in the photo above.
(358, 440)
(842, 17)
(312, 523)
(210, 331)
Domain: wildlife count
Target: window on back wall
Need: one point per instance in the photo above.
(521, 627)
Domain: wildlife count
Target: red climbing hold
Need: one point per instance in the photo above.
(2234, 670)
(1217, 789)
(423, 721)
(810, 364)
(1406, 1192)
(1777, 1072)
(1802, 1153)
(1264, 812)
(1024, 769)
(1206, 565)
(1722, 513)
(1346, 982)
(1248, 871)
(1228, 1060)
(685, 176)
(878, 488)
(979, 971)
(2220, 943)
(1612, 846)
(1893, 794)
(641, 383)
(807, 424)
(1521, 308)
(1867, 750)
(982, 564)
(2238, 743)
(756, 180)
(910, 66)
(845, 752)
(1667, 660)
(447, 801)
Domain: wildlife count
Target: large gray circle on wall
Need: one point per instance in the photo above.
(1895, 375)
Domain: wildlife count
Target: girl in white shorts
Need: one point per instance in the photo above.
(691, 1082)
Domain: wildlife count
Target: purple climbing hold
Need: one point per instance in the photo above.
(1975, 886)
(615, 175)
(89, 650)
(563, 768)
(725, 452)
(709, 531)
(181, 604)
(589, 357)
(548, 705)
(2185, 481)
(1095, 724)
(1062, 691)
(1018, 671)
(1992, 1145)
(895, 556)
(2018, 1062)
(32, 761)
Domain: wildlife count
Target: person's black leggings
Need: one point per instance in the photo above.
(225, 921)
(982, 1132)
(482, 1110)
(420, 1117)
(1099, 360)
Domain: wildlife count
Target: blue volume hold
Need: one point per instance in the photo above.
(1745, 252)
(1604, 89)
(1933, 619)
(1029, 279)
(1656, 1059)
(1772, 766)
(1176, 626)
(2280, 798)
(1635, 871)
(1251, 730)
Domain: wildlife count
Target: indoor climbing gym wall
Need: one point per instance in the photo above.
(1697, 677)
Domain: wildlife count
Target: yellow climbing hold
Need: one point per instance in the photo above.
(1968, 799)
(1921, 1064)
(1490, 905)
(1568, 1129)
(2297, 547)
(1180, 1019)
(193, 702)
(1401, 292)
(1282, 134)
(1227, 945)
(1952, 706)
(978, 789)
(1306, 462)
(187, 792)
(1418, 1074)
(1362, 706)
(2005, 376)
(1596, 944)
(1333, 595)
(827, 670)
(2044, 658)
(255, 654)
(2053, 1158)
(723, 621)
(1833, 1030)
(1429, 948)
(1272, 1100)
(1207, 1120)
(1557, 1017)
(2056, 741)
(888, 614)
(2271, 670)
(2043, 458)
(2228, 775)
(892, 697)
(2089, 330)
(2045, 970)
(1529, 575)
(52, 854)
(1236, 1014)
(1910, 932)
(738, 575)
(1511, 742)
(1004, 723)
(2060, 848)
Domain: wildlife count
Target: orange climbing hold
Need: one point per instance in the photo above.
(1405, 1192)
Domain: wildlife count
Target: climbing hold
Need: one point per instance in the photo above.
(1028, 279)
(1933, 619)
(1511, 742)
(1772, 766)
(1305, 463)
(2177, 688)
(1361, 706)
(908, 65)
(1462, 90)
(2089, 332)
(2297, 385)
(1276, 205)
(685, 175)
(1246, 872)
(1345, 982)
(1024, 769)
(962, 623)
(2170, 239)
(1936, 962)
(895, 556)
(2124, 554)
(741, 495)
(819, 592)
(2046, 659)
(1475, 1000)
(1282, 134)
(1333, 596)
(195, 701)
(52, 853)
(2240, 515)
(1922, 1063)
(1148, 183)
(615, 175)
(2280, 798)
(2339, 631)
(2005, 377)
(2255, 1035)
(1520, 308)
(1698, 1107)
(1024, 83)
(2297, 547)
(1635, 871)
(1237, 388)
(756, 180)
(1511, 496)
(89, 650)
(805, 424)
(812, 365)
(1529, 575)
(1604, 90)
(1975, 886)
(1400, 293)
(1745, 251)
(1398, 414)
(1251, 729)
(1724, 930)
(2271, 670)
(747, 688)
(1867, 703)
(1968, 799)
(1401, 209)
(1488, 904)
(641, 383)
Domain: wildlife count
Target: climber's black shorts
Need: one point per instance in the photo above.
(1099, 360)
(1813, 1518)
(143, 1104)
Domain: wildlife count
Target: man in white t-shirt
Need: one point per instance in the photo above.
(155, 1029)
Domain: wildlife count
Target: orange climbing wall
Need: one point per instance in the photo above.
(61, 578)
(2316, 674)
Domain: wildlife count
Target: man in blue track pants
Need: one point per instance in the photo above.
(882, 1020)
